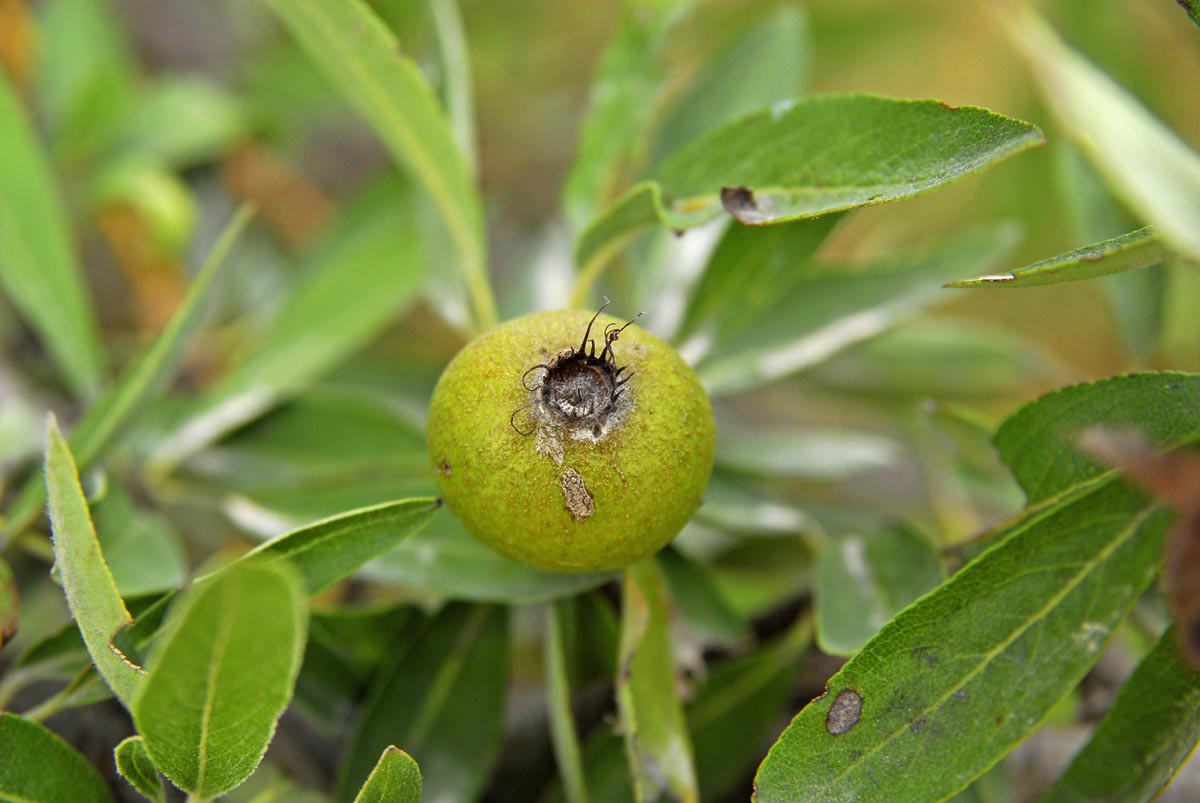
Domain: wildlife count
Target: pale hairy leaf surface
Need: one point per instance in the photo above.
(221, 674)
(135, 765)
(91, 591)
(395, 779)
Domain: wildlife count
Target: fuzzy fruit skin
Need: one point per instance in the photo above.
(646, 476)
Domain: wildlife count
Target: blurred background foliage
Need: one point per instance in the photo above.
(160, 117)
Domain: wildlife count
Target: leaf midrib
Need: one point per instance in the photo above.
(220, 643)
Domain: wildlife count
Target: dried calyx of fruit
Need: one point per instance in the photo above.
(566, 456)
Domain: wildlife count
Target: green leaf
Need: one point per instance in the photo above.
(370, 271)
(395, 779)
(87, 82)
(656, 737)
(142, 547)
(444, 701)
(804, 159)
(1145, 163)
(184, 121)
(38, 767)
(456, 66)
(949, 677)
(970, 669)
(863, 581)
(750, 272)
(115, 408)
(447, 560)
(136, 766)
(1038, 442)
(91, 592)
(335, 548)
(558, 692)
(768, 63)
(221, 676)
(827, 312)
(1144, 739)
(10, 603)
(361, 57)
(38, 268)
(627, 93)
(1137, 249)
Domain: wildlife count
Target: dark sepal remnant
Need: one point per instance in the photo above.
(576, 387)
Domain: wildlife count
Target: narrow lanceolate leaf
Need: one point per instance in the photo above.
(827, 312)
(38, 269)
(1137, 249)
(969, 670)
(627, 94)
(118, 405)
(335, 548)
(656, 736)
(1145, 737)
(951, 677)
(817, 155)
(91, 592)
(38, 767)
(368, 273)
(136, 766)
(222, 676)
(395, 779)
(558, 691)
(863, 581)
(1151, 168)
(362, 59)
(444, 701)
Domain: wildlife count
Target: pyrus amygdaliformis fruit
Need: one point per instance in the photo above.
(571, 442)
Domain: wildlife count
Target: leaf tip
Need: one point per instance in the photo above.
(995, 278)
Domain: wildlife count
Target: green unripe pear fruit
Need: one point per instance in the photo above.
(570, 460)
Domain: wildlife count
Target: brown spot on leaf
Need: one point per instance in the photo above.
(575, 493)
(741, 203)
(948, 107)
(844, 713)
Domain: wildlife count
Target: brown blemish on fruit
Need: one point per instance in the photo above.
(844, 713)
(444, 468)
(575, 492)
